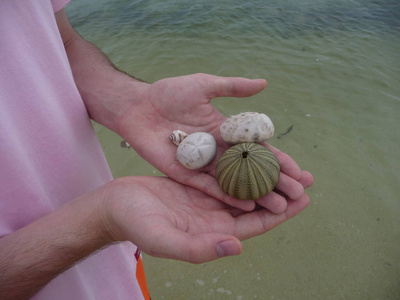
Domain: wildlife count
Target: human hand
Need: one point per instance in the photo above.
(169, 220)
(184, 103)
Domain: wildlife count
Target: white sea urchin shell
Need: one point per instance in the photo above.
(248, 127)
(197, 150)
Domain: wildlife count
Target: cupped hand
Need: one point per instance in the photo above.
(184, 103)
(170, 220)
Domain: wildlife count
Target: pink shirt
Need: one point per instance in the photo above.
(49, 153)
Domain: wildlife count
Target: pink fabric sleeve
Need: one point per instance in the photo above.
(49, 153)
(59, 4)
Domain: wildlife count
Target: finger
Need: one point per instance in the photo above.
(232, 86)
(286, 163)
(295, 207)
(306, 179)
(209, 185)
(289, 186)
(198, 248)
(260, 221)
(274, 202)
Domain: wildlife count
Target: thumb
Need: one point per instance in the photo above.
(194, 248)
(233, 86)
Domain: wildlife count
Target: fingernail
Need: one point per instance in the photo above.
(227, 248)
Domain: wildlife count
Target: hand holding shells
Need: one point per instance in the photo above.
(245, 171)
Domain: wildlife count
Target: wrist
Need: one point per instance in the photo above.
(112, 97)
(132, 107)
(86, 218)
(128, 99)
(118, 202)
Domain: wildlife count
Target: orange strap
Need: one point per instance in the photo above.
(140, 276)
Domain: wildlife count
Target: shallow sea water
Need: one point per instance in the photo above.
(333, 70)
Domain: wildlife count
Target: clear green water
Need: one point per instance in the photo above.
(333, 70)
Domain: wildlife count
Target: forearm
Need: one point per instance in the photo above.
(35, 254)
(106, 91)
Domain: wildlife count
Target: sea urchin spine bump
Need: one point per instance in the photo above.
(247, 171)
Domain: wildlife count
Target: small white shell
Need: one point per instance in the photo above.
(177, 136)
(248, 127)
(197, 150)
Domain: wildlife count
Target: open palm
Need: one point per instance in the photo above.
(184, 103)
(167, 219)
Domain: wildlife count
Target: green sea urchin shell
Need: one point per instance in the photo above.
(247, 171)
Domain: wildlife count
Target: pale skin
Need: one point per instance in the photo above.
(184, 216)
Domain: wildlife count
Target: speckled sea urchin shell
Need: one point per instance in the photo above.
(248, 127)
(247, 171)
